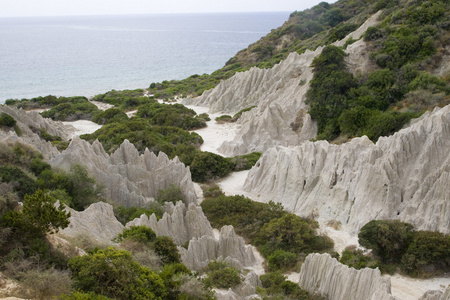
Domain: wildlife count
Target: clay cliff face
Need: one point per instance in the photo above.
(32, 119)
(229, 247)
(96, 222)
(325, 275)
(278, 94)
(128, 178)
(280, 118)
(181, 223)
(404, 176)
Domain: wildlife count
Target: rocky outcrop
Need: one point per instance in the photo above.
(96, 222)
(181, 223)
(404, 176)
(279, 93)
(228, 247)
(323, 274)
(128, 178)
(436, 295)
(32, 119)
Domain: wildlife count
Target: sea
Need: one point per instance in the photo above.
(90, 55)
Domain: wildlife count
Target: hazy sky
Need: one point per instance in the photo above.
(14, 8)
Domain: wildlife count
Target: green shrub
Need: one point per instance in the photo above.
(356, 259)
(77, 295)
(171, 194)
(176, 115)
(141, 234)
(266, 226)
(127, 214)
(166, 249)
(72, 109)
(209, 166)
(7, 120)
(292, 234)
(109, 116)
(38, 166)
(281, 260)
(239, 114)
(427, 254)
(222, 275)
(276, 284)
(24, 183)
(245, 162)
(388, 239)
(113, 273)
(224, 119)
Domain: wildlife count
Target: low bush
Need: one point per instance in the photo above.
(355, 258)
(141, 234)
(208, 166)
(171, 194)
(113, 273)
(275, 284)
(167, 250)
(418, 253)
(127, 214)
(7, 120)
(109, 116)
(268, 227)
(222, 275)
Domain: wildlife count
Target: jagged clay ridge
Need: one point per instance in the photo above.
(32, 119)
(228, 246)
(405, 176)
(436, 295)
(325, 275)
(279, 94)
(180, 223)
(129, 179)
(96, 222)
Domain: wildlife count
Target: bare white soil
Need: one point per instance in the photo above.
(214, 134)
(407, 288)
(102, 105)
(82, 127)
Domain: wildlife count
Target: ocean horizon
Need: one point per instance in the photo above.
(89, 55)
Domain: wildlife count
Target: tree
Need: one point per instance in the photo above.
(38, 216)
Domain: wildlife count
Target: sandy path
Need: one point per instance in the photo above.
(214, 134)
(102, 105)
(82, 127)
(406, 288)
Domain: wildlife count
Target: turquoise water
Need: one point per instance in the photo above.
(88, 55)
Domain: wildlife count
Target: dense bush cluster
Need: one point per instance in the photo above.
(222, 275)
(418, 253)
(280, 236)
(125, 100)
(276, 286)
(7, 120)
(176, 115)
(72, 109)
(344, 105)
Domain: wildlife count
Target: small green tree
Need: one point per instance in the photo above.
(38, 216)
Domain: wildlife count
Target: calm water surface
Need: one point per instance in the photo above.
(88, 55)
